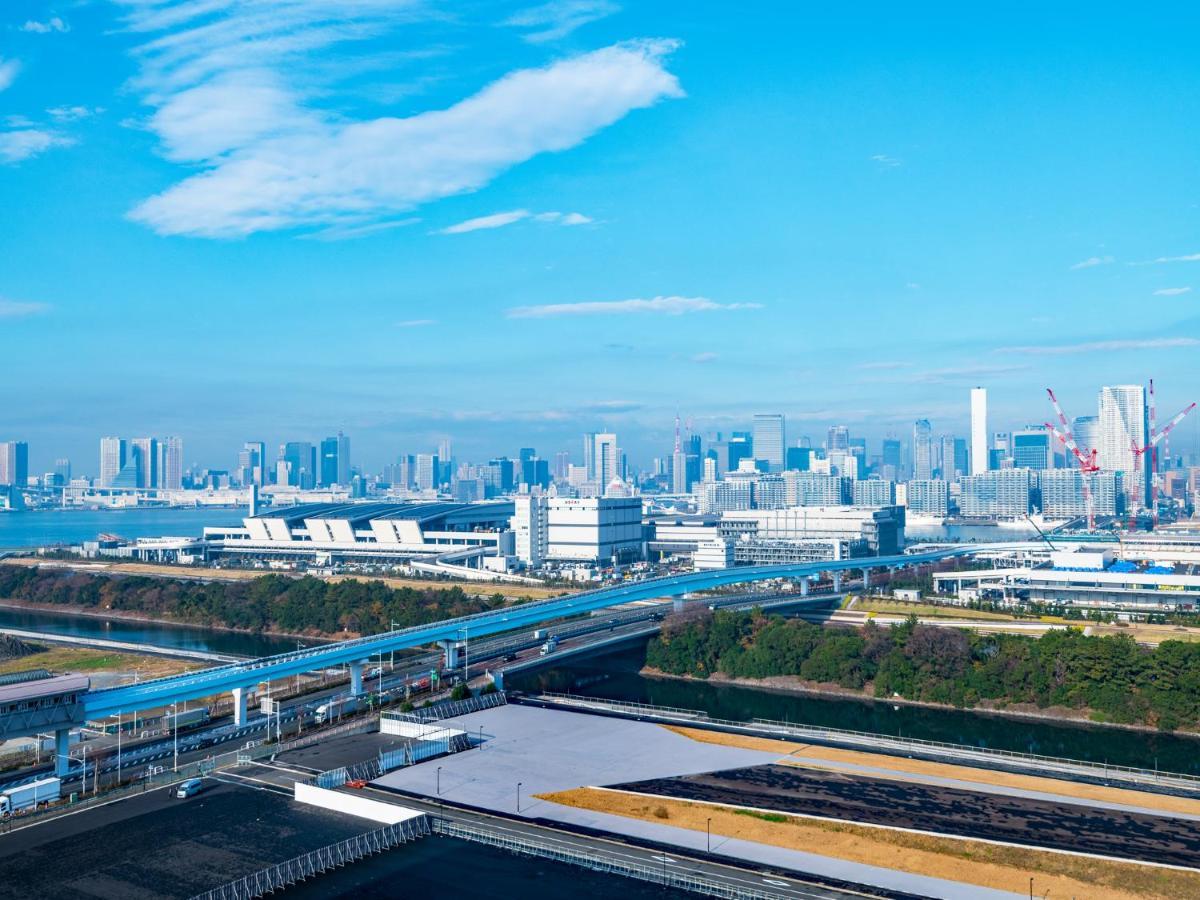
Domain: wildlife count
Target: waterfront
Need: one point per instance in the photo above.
(617, 676)
(54, 527)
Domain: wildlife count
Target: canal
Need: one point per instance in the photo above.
(616, 675)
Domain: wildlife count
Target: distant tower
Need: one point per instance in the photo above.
(979, 432)
(679, 479)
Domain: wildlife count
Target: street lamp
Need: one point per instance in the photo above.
(709, 828)
(392, 653)
(175, 729)
(519, 783)
(118, 747)
(439, 781)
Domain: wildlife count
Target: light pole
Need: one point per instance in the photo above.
(709, 828)
(119, 749)
(439, 781)
(392, 653)
(175, 729)
(519, 783)
(299, 647)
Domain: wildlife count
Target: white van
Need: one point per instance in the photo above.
(189, 788)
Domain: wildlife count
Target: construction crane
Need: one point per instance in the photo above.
(1156, 436)
(1086, 458)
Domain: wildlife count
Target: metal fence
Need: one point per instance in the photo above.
(315, 862)
(878, 742)
(530, 844)
(449, 709)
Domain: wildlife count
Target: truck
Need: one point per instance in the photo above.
(29, 796)
(185, 718)
(539, 634)
(549, 647)
(335, 709)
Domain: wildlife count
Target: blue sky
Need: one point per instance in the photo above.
(511, 222)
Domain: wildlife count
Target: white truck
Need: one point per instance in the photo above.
(335, 709)
(549, 647)
(29, 796)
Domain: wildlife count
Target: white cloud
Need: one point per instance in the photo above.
(53, 24)
(73, 113)
(16, 146)
(1191, 257)
(558, 18)
(346, 230)
(1103, 346)
(1171, 292)
(499, 220)
(16, 309)
(1093, 261)
(705, 357)
(885, 161)
(673, 306)
(495, 220)
(273, 166)
(416, 323)
(8, 72)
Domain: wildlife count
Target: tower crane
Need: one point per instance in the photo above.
(1086, 458)
(1156, 436)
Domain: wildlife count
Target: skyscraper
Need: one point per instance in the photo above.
(838, 438)
(113, 451)
(334, 465)
(1123, 425)
(769, 439)
(170, 463)
(14, 463)
(922, 450)
(606, 459)
(1032, 448)
(301, 459)
(252, 463)
(979, 447)
(1087, 433)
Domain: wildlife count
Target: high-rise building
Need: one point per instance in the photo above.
(427, 472)
(1063, 496)
(1123, 426)
(14, 463)
(890, 456)
(62, 471)
(1033, 448)
(113, 452)
(979, 448)
(252, 463)
(301, 469)
(1007, 493)
(769, 439)
(334, 465)
(1086, 430)
(922, 450)
(928, 496)
(948, 469)
(170, 463)
(144, 451)
(838, 438)
(798, 459)
(874, 492)
(606, 459)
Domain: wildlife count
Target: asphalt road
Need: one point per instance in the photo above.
(932, 808)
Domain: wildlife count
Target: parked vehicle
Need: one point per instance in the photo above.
(189, 788)
(335, 709)
(186, 718)
(30, 796)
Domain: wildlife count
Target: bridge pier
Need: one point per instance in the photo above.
(497, 678)
(62, 751)
(803, 587)
(356, 677)
(866, 580)
(239, 704)
(451, 649)
(837, 582)
(677, 604)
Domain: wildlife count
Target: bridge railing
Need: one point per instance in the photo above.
(875, 740)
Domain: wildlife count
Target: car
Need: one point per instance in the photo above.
(189, 788)
(509, 657)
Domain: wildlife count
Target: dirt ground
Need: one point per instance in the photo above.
(1055, 875)
(901, 767)
(85, 660)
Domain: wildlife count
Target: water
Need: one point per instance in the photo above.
(616, 676)
(179, 636)
(439, 867)
(45, 527)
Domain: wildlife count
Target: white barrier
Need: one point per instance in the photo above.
(363, 807)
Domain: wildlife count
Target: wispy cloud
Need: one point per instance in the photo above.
(1092, 261)
(416, 323)
(16, 146)
(73, 113)
(347, 230)
(706, 357)
(558, 18)
(1166, 343)
(8, 72)
(235, 92)
(612, 406)
(885, 365)
(1171, 292)
(16, 309)
(885, 161)
(500, 219)
(672, 306)
(958, 374)
(51, 25)
(1190, 257)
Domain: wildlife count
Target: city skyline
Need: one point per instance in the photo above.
(684, 239)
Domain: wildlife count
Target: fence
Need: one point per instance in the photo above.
(531, 844)
(449, 709)
(315, 862)
(877, 742)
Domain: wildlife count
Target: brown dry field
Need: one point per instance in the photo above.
(802, 755)
(1056, 875)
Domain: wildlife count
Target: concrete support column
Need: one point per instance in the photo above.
(677, 604)
(239, 704)
(837, 581)
(803, 587)
(866, 579)
(356, 678)
(451, 649)
(62, 751)
(497, 679)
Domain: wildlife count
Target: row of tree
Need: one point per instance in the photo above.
(269, 602)
(1111, 677)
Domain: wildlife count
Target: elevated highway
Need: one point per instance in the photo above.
(241, 678)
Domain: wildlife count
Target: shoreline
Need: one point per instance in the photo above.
(789, 685)
(128, 616)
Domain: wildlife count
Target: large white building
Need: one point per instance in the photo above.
(979, 442)
(529, 529)
(880, 528)
(596, 530)
(1122, 426)
(1063, 496)
(769, 439)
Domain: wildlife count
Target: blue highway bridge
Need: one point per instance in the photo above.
(242, 678)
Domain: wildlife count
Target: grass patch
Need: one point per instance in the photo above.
(929, 610)
(86, 660)
(766, 817)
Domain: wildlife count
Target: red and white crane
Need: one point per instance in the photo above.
(1086, 457)
(1156, 436)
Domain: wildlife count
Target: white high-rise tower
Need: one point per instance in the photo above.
(1122, 427)
(979, 432)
